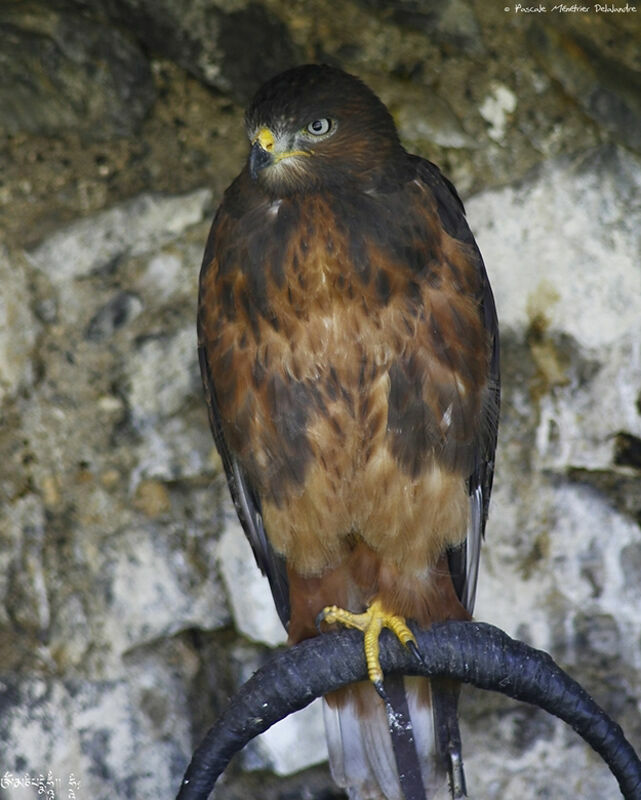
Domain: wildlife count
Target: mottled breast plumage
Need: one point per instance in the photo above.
(353, 317)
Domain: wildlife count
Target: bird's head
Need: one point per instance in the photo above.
(315, 126)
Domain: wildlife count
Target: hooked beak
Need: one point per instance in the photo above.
(265, 152)
(261, 154)
(259, 158)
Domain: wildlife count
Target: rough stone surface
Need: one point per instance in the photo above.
(293, 744)
(60, 70)
(130, 607)
(109, 540)
(18, 325)
(606, 84)
(231, 45)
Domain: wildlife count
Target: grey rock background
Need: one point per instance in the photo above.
(129, 606)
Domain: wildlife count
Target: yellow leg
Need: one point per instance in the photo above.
(371, 622)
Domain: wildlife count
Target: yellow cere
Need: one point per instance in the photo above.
(265, 139)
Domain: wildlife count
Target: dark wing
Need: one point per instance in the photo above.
(464, 560)
(243, 494)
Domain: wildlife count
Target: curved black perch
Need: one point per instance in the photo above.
(471, 652)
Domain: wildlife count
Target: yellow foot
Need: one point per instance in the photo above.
(372, 622)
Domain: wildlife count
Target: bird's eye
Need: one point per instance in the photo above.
(319, 127)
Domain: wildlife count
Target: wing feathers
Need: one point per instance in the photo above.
(246, 503)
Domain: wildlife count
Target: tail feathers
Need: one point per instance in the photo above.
(360, 753)
(360, 747)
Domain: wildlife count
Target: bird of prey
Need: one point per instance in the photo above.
(348, 346)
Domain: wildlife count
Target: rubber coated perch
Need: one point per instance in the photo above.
(470, 652)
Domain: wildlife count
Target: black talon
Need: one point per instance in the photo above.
(413, 648)
(320, 618)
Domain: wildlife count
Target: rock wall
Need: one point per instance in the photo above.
(130, 608)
